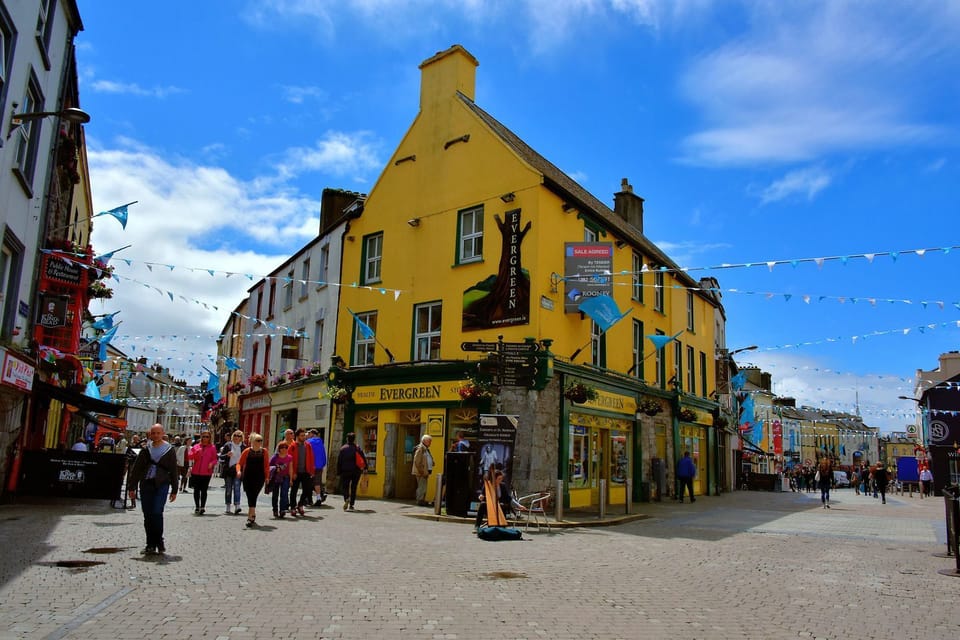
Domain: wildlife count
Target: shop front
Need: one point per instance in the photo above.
(600, 436)
(389, 420)
(255, 416)
(693, 438)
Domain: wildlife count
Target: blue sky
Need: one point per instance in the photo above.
(756, 132)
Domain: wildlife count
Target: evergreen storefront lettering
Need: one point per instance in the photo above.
(426, 392)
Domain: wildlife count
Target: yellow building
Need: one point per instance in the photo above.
(468, 236)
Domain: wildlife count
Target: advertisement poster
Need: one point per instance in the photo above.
(777, 438)
(587, 271)
(503, 299)
(496, 443)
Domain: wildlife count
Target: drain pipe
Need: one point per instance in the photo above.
(558, 514)
(603, 499)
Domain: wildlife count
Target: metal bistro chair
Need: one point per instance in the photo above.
(531, 507)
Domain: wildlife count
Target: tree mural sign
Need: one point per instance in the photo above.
(503, 299)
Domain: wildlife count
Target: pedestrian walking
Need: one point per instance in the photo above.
(881, 478)
(183, 465)
(253, 469)
(131, 455)
(824, 479)
(301, 470)
(229, 457)
(280, 479)
(320, 463)
(686, 471)
(154, 472)
(422, 468)
(351, 465)
(926, 482)
(203, 458)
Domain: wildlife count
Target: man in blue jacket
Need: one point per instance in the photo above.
(686, 470)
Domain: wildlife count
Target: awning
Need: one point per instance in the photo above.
(79, 400)
(752, 448)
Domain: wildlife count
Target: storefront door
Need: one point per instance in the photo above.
(408, 436)
(598, 454)
(693, 439)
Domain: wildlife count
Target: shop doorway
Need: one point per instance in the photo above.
(598, 454)
(408, 437)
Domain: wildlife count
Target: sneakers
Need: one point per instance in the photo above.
(236, 509)
(351, 507)
(276, 514)
(300, 511)
(346, 505)
(251, 523)
(196, 509)
(228, 511)
(161, 549)
(148, 551)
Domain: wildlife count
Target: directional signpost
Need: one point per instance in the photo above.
(511, 364)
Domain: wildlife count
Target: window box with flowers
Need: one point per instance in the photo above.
(578, 392)
(276, 381)
(688, 415)
(257, 381)
(720, 422)
(296, 374)
(650, 407)
(236, 387)
(316, 369)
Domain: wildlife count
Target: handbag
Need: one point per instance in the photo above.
(361, 461)
(817, 477)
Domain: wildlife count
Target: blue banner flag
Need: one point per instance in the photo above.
(93, 390)
(213, 386)
(660, 341)
(105, 322)
(603, 310)
(364, 328)
(232, 364)
(737, 381)
(120, 213)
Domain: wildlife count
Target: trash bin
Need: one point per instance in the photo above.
(458, 477)
(951, 501)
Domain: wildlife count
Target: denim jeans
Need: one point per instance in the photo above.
(281, 495)
(232, 489)
(153, 498)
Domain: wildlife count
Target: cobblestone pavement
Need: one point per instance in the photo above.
(743, 565)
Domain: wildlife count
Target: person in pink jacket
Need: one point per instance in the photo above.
(204, 458)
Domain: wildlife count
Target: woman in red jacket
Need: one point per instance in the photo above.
(204, 458)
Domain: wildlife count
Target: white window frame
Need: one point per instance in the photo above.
(470, 244)
(637, 348)
(288, 290)
(364, 349)
(659, 367)
(426, 339)
(305, 278)
(637, 277)
(324, 266)
(690, 314)
(373, 258)
(658, 291)
(317, 340)
(678, 364)
(28, 133)
(691, 371)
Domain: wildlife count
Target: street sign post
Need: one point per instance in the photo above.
(514, 364)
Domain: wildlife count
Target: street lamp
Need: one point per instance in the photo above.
(70, 114)
(923, 411)
(752, 347)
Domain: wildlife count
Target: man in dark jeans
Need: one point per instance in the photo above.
(349, 471)
(686, 470)
(303, 468)
(155, 471)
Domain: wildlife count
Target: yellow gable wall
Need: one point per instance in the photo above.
(445, 178)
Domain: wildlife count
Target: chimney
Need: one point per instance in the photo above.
(446, 73)
(629, 205)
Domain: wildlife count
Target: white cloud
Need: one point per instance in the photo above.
(195, 218)
(802, 182)
(132, 88)
(299, 94)
(338, 153)
(809, 80)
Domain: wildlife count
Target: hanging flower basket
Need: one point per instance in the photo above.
(236, 387)
(650, 407)
(97, 289)
(476, 391)
(720, 422)
(338, 395)
(578, 393)
(688, 415)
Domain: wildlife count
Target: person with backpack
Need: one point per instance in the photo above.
(230, 455)
(154, 472)
(351, 465)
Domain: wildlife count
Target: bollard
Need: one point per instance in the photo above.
(626, 508)
(558, 513)
(603, 499)
(436, 496)
(951, 500)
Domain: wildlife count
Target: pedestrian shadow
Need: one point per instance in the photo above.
(164, 558)
(308, 518)
(113, 524)
(363, 511)
(261, 527)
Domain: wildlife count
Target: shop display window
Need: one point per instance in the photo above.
(579, 456)
(619, 458)
(367, 440)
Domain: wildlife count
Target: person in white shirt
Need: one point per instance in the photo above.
(183, 465)
(230, 456)
(422, 468)
(926, 482)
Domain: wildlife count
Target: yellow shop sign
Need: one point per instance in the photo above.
(446, 391)
(613, 402)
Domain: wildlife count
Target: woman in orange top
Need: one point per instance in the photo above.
(253, 469)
